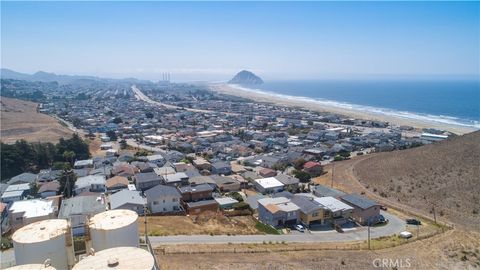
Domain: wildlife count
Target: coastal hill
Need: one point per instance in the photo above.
(20, 120)
(246, 77)
(444, 175)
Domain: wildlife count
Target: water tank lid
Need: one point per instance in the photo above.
(40, 231)
(131, 258)
(113, 219)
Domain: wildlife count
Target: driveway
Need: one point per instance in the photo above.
(394, 226)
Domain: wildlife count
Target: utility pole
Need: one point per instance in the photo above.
(434, 215)
(333, 172)
(145, 220)
(369, 235)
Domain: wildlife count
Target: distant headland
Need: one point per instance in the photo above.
(246, 77)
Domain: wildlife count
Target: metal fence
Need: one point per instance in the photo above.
(152, 251)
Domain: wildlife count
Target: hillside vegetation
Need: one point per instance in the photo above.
(444, 175)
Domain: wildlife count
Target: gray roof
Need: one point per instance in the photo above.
(287, 179)
(285, 194)
(24, 177)
(125, 196)
(253, 200)
(201, 180)
(325, 191)
(161, 190)
(201, 203)
(146, 177)
(90, 204)
(360, 201)
(202, 187)
(307, 205)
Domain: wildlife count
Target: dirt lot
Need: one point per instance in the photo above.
(20, 120)
(453, 250)
(207, 223)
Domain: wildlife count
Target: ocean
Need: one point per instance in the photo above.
(453, 102)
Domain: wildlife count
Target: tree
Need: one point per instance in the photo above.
(117, 120)
(241, 206)
(69, 156)
(302, 176)
(67, 181)
(123, 144)
(236, 196)
(298, 163)
(112, 135)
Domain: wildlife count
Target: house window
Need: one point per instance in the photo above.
(164, 209)
(163, 201)
(155, 202)
(174, 199)
(315, 214)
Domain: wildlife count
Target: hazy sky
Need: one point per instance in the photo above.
(214, 40)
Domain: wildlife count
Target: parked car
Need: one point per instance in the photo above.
(405, 234)
(413, 221)
(299, 228)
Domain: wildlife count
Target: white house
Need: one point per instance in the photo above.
(93, 183)
(163, 199)
(268, 185)
(29, 211)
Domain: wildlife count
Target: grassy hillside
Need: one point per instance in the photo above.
(444, 174)
(20, 120)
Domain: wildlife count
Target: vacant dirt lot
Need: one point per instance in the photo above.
(207, 223)
(20, 120)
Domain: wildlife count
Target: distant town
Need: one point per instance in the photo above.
(169, 149)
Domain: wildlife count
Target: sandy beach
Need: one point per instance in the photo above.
(359, 114)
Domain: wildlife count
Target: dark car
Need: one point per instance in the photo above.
(413, 221)
(383, 207)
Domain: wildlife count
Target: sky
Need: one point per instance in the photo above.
(211, 41)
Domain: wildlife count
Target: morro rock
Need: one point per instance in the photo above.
(246, 77)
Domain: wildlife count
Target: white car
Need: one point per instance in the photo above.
(406, 234)
(299, 228)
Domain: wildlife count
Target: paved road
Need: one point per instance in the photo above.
(145, 98)
(395, 226)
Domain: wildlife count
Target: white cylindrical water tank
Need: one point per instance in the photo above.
(31, 267)
(114, 228)
(121, 258)
(42, 240)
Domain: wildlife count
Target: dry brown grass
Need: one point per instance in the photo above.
(452, 250)
(444, 174)
(20, 120)
(206, 223)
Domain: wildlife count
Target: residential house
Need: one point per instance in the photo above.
(25, 212)
(163, 199)
(311, 212)
(268, 185)
(324, 191)
(24, 178)
(226, 203)
(266, 172)
(159, 160)
(278, 212)
(79, 208)
(202, 164)
(83, 164)
(221, 167)
(127, 199)
(49, 189)
(225, 183)
(339, 212)
(313, 168)
(365, 211)
(196, 192)
(116, 183)
(176, 179)
(144, 181)
(194, 208)
(92, 183)
(15, 192)
(289, 182)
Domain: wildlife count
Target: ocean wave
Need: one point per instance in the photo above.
(442, 119)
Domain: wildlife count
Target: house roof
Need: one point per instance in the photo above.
(360, 201)
(307, 204)
(333, 204)
(201, 203)
(125, 196)
(81, 205)
(17, 187)
(270, 182)
(146, 177)
(24, 177)
(201, 180)
(173, 178)
(33, 208)
(89, 180)
(116, 181)
(325, 191)
(160, 191)
(49, 186)
(225, 200)
(287, 179)
(311, 164)
(197, 188)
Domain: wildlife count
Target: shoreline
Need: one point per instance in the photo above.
(224, 88)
